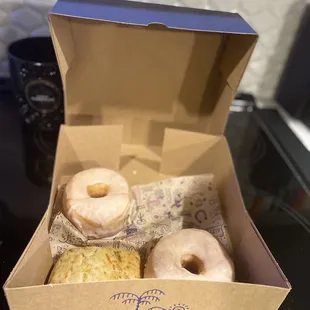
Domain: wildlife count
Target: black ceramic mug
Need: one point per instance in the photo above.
(38, 89)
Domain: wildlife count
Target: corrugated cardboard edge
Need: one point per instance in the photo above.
(148, 279)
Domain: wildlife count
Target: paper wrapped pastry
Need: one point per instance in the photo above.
(93, 264)
(156, 210)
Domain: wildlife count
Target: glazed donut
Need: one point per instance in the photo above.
(189, 254)
(97, 202)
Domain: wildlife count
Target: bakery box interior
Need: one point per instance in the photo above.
(147, 93)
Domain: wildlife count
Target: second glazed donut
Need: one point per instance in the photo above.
(190, 254)
(97, 202)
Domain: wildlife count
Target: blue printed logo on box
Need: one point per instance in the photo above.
(145, 300)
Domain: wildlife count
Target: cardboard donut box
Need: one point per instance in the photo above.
(147, 92)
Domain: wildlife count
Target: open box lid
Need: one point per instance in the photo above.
(149, 66)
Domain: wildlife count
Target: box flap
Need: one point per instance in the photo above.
(149, 67)
(144, 14)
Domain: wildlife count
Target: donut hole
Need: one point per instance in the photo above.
(98, 190)
(193, 264)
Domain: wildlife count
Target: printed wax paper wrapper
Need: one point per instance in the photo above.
(158, 209)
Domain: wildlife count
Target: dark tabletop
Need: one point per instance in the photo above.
(290, 244)
(296, 156)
